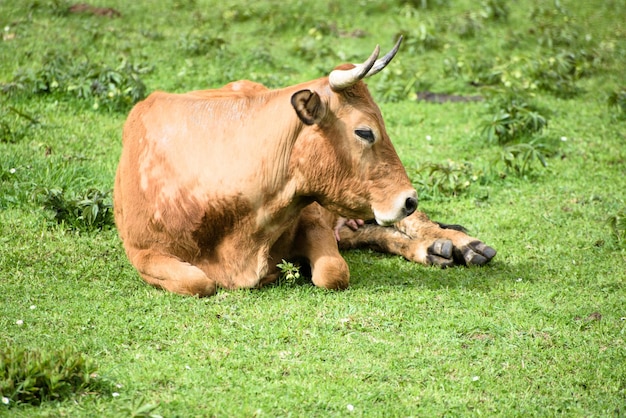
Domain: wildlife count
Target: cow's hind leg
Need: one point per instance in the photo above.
(170, 273)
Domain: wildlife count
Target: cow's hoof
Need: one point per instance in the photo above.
(476, 253)
(441, 253)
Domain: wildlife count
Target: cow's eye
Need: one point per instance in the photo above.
(365, 134)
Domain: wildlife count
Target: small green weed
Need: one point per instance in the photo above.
(617, 101)
(15, 123)
(141, 408)
(469, 25)
(114, 89)
(445, 179)
(34, 377)
(558, 74)
(522, 158)
(91, 211)
(54, 7)
(477, 71)
(516, 124)
(425, 36)
(513, 117)
(554, 26)
(497, 10)
(289, 272)
(399, 84)
(314, 46)
(617, 224)
(198, 44)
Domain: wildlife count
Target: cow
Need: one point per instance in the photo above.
(215, 187)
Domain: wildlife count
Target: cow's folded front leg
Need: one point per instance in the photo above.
(315, 241)
(392, 241)
(418, 239)
(449, 242)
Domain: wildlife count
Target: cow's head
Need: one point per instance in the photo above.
(344, 152)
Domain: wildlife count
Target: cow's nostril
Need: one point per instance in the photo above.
(410, 205)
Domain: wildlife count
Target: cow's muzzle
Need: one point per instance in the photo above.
(402, 206)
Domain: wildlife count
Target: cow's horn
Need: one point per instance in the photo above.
(382, 63)
(342, 79)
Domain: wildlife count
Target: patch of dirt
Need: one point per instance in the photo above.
(595, 316)
(93, 10)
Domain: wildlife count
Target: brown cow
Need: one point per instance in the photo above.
(216, 187)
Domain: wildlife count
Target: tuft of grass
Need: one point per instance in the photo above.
(521, 159)
(497, 10)
(553, 26)
(399, 84)
(54, 7)
(140, 408)
(89, 211)
(289, 272)
(34, 377)
(517, 124)
(558, 74)
(198, 44)
(15, 124)
(314, 46)
(111, 88)
(617, 101)
(513, 117)
(469, 25)
(424, 36)
(476, 71)
(617, 225)
(447, 179)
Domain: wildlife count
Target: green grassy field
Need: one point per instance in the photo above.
(536, 169)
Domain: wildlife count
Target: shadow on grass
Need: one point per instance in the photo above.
(376, 271)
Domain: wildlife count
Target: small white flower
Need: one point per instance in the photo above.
(187, 367)
(115, 394)
(428, 137)
(33, 307)
(350, 407)
(475, 379)
(564, 138)
(5, 400)
(12, 170)
(19, 322)
(118, 385)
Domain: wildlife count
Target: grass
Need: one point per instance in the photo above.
(539, 332)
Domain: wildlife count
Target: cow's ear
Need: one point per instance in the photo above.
(308, 106)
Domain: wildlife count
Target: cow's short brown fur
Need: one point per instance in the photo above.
(216, 187)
